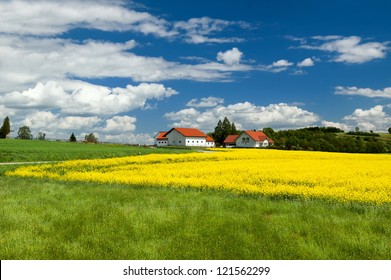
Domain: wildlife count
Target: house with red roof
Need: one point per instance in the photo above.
(160, 139)
(191, 137)
(253, 139)
(230, 141)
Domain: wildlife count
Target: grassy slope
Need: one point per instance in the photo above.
(41, 219)
(12, 150)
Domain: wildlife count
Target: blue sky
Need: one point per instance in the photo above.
(127, 69)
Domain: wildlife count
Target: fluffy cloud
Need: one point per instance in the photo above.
(349, 49)
(76, 97)
(119, 124)
(117, 129)
(245, 116)
(368, 92)
(342, 126)
(55, 125)
(56, 17)
(230, 57)
(308, 62)
(28, 60)
(373, 119)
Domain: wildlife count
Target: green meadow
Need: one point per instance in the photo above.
(47, 219)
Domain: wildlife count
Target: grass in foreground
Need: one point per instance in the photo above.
(43, 219)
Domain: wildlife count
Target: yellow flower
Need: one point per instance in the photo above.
(332, 176)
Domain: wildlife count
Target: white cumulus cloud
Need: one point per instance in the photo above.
(308, 62)
(76, 97)
(375, 119)
(42, 17)
(367, 92)
(230, 57)
(245, 115)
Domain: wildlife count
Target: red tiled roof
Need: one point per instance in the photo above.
(188, 132)
(161, 136)
(209, 139)
(256, 135)
(231, 139)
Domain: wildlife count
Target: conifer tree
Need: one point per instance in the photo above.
(6, 128)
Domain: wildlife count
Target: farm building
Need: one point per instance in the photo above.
(248, 139)
(230, 141)
(191, 137)
(160, 139)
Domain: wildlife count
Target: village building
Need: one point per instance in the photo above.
(160, 139)
(190, 137)
(230, 141)
(248, 139)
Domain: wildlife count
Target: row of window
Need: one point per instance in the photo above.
(188, 141)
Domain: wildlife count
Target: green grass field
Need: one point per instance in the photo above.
(13, 150)
(46, 219)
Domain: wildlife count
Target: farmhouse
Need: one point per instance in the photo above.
(191, 137)
(160, 139)
(248, 139)
(230, 141)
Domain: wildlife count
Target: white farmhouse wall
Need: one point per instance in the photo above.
(161, 143)
(176, 139)
(196, 141)
(244, 140)
(210, 144)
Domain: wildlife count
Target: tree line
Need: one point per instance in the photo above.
(330, 139)
(24, 133)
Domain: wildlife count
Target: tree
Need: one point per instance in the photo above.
(268, 131)
(41, 136)
(389, 130)
(24, 132)
(6, 128)
(223, 129)
(72, 138)
(90, 138)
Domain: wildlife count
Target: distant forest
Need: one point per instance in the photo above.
(330, 139)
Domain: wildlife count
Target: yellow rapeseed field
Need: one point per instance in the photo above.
(331, 176)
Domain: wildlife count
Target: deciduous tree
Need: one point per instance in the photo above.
(24, 132)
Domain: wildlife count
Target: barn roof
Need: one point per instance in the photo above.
(231, 139)
(188, 132)
(161, 135)
(256, 135)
